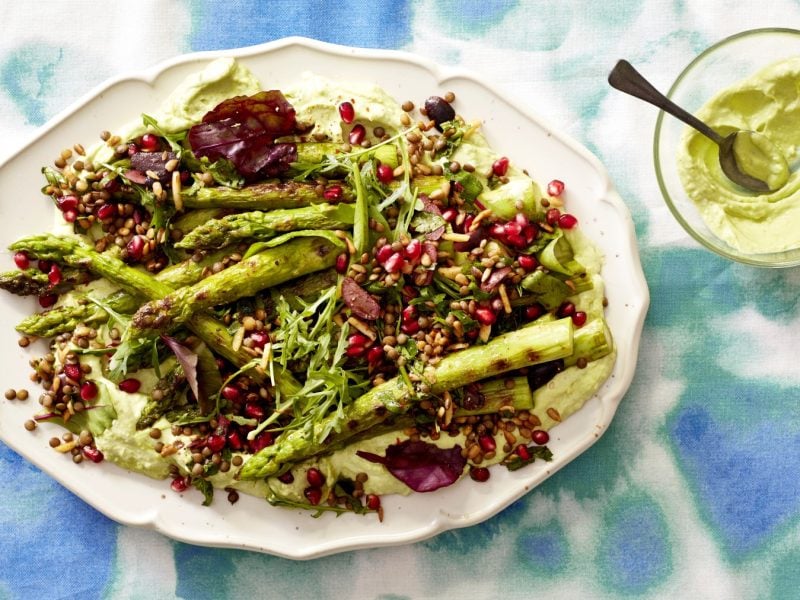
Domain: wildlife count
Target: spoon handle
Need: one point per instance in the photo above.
(627, 79)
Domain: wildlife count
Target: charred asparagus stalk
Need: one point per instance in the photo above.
(34, 282)
(138, 283)
(259, 225)
(513, 350)
(268, 268)
(66, 318)
(273, 194)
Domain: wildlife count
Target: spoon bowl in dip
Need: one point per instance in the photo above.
(747, 158)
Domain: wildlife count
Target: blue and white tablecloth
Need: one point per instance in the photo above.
(694, 491)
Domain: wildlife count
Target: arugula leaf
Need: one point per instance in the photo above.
(206, 488)
(175, 140)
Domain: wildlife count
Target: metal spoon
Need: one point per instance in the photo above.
(627, 79)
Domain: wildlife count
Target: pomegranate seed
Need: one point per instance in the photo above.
(334, 192)
(413, 250)
(286, 478)
(479, 474)
(497, 231)
(44, 265)
(373, 501)
(135, 247)
(540, 436)
(179, 484)
(260, 338)
(355, 351)
(527, 262)
(47, 300)
(347, 112)
(567, 221)
(231, 393)
(485, 316)
(315, 477)
(253, 410)
(385, 173)
(410, 327)
(533, 312)
(131, 385)
(394, 263)
(522, 220)
(522, 452)
(22, 261)
(529, 232)
(234, 440)
(383, 253)
(67, 203)
(566, 310)
(579, 318)
(73, 371)
(342, 263)
(409, 313)
(149, 142)
(512, 228)
(552, 216)
(70, 216)
(555, 187)
(262, 441)
(88, 390)
(450, 215)
(357, 135)
(500, 166)
(375, 355)
(138, 216)
(467, 223)
(93, 454)
(54, 275)
(516, 240)
(215, 442)
(107, 211)
(358, 339)
(487, 443)
(313, 495)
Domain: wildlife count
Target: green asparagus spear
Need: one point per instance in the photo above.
(66, 318)
(33, 282)
(510, 351)
(75, 252)
(270, 267)
(187, 221)
(212, 332)
(274, 194)
(259, 196)
(259, 225)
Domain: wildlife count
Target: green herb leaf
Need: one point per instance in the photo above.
(206, 488)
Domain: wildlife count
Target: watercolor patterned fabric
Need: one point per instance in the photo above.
(694, 490)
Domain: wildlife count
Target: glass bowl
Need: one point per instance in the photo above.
(719, 67)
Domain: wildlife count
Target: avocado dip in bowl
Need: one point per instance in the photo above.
(748, 81)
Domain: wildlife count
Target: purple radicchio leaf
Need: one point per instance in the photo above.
(188, 361)
(495, 279)
(421, 466)
(244, 129)
(153, 162)
(359, 301)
